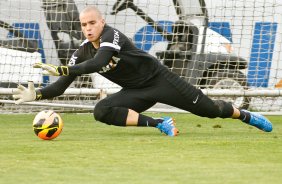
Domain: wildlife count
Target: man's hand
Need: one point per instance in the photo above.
(23, 94)
(49, 69)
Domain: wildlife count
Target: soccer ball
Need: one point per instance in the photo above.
(47, 124)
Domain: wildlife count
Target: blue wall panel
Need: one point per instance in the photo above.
(32, 31)
(261, 54)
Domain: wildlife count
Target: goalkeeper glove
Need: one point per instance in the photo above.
(49, 69)
(23, 94)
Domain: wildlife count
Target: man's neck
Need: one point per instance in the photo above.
(96, 44)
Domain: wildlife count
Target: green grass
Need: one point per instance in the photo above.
(206, 151)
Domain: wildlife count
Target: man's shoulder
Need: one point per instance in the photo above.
(85, 43)
(109, 31)
(82, 53)
(85, 46)
(108, 28)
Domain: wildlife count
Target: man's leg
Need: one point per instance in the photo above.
(187, 97)
(165, 125)
(206, 107)
(254, 119)
(123, 109)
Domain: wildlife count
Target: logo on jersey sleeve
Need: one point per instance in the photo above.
(116, 38)
(72, 60)
(112, 64)
(115, 42)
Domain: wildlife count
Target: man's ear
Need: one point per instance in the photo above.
(103, 21)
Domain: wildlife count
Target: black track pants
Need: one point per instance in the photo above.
(167, 88)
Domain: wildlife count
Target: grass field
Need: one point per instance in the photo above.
(206, 151)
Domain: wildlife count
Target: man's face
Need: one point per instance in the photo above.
(92, 25)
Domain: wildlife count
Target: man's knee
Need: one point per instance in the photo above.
(101, 111)
(110, 115)
(225, 109)
(214, 108)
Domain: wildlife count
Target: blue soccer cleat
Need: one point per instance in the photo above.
(168, 127)
(259, 121)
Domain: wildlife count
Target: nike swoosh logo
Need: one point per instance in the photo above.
(244, 118)
(195, 101)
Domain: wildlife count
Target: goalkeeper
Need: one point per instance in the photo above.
(144, 81)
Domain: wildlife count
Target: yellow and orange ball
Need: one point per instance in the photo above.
(47, 124)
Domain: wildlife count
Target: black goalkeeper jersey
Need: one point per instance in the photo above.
(129, 66)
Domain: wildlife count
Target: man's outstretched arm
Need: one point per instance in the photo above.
(23, 94)
(100, 60)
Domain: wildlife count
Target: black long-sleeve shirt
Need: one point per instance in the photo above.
(117, 59)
